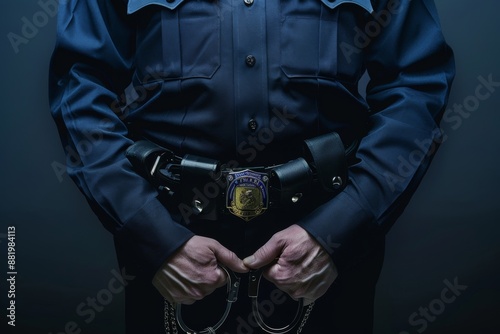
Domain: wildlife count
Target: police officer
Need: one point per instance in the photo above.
(244, 83)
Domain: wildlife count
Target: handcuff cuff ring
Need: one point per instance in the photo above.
(233, 284)
(253, 292)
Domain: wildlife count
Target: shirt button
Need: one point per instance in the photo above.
(248, 2)
(252, 125)
(250, 60)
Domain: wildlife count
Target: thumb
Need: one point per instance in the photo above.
(264, 255)
(229, 259)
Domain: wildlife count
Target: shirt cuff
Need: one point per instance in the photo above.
(148, 238)
(343, 228)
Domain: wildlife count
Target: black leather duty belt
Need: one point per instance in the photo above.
(206, 188)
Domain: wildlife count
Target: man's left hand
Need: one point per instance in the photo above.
(299, 265)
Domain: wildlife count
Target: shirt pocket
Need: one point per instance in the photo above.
(176, 40)
(313, 35)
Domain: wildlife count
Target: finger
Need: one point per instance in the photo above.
(264, 255)
(308, 301)
(176, 289)
(180, 295)
(186, 301)
(227, 258)
(221, 273)
(158, 284)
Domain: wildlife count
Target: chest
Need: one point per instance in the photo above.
(181, 39)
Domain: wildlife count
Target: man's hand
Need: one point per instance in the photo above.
(300, 266)
(192, 272)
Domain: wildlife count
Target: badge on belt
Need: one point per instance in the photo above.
(247, 194)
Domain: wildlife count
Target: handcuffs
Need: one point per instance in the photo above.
(233, 284)
(163, 169)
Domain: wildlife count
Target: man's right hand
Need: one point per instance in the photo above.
(193, 272)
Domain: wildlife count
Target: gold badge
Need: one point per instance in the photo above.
(247, 194)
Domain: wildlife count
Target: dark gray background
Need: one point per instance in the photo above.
(448, 232)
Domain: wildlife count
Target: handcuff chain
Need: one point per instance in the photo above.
(173, 320)
(171, 326)
(169, 320)
(304, 319)
(165, 317)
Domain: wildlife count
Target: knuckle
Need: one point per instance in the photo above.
(215, 280)
(277, 274)
(187, 302)
(214, 243)
(218, 277)
(264, 251)
(296, 293)
(231, 255)
(270, 278)
(177, 298)
(198, 295)
(271, 273)
(227, 256)
(275, 239)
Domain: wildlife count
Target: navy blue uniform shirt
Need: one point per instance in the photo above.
(247, 80)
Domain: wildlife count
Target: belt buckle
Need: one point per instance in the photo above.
(247, 193)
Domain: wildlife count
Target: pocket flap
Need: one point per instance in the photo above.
(135, 5)
(365, 4)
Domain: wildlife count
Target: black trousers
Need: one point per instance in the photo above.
(347, 307)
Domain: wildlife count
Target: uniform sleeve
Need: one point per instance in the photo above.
(91, 65)
(411, 69)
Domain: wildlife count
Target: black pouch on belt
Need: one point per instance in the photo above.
(199, 190)
(327, 157)
(321, 174)
(146, 158)
(290, 183)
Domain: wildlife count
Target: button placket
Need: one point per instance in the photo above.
(251, 76)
